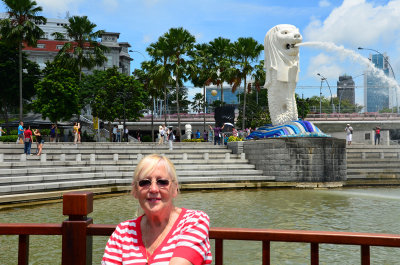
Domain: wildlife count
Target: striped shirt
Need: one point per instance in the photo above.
(188, 239)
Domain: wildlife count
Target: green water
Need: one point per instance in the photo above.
(374, 210)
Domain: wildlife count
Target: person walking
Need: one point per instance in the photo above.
(118, 135)
(114, 132)
(39, 141)
(217, 134)
(161, 132)
(377, 134)
(53, 133)
(28, 141)
(21, 130)
(171, 138)
(126, 134)
(349, 133)
(76, 132)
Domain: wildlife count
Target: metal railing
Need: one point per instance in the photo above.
(78, 229)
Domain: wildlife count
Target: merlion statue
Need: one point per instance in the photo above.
(282, 68)
(188, 131)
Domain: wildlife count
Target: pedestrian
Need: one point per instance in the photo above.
(75, 131)
(79, 132)
(161, 134)
(53, 133)
(21, 132)
(349, 133)
(217, 134)
(139, 135)
(205, 136)
(28, 141)
(377, 134)
(39, 141)
(126, 134)
(198, 134)
(114, 133)
(177, 136)
(118, 135)
(171, 138)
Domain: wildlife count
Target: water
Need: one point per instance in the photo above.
(357, 210)
(329, 46)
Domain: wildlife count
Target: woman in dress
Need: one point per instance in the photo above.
(164, 234)
(39, 141)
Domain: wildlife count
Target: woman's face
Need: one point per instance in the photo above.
(155, 191)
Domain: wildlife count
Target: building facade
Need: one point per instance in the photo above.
(48, 47)
(377, 93)
(345, 89)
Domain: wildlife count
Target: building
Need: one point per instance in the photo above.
(47, 47)
(229, 97)
(377, 93)
(345, 89)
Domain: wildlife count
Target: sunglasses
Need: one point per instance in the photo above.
(146, 183)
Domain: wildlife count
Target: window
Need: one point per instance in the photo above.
(41, 46)
(59, 47)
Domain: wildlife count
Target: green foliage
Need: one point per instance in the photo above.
(193, 140)
(303, 107)
(57, 95)
(146, 138)
(198, 103)
(114, 95)
(9, 138)
(234, 139)
(257, 112)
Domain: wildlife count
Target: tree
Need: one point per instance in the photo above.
(257, 113)
(200, 73)
(159, 51)
(83, 51)
(19, 27)
(152, 80)
(180, 42)
(245, 51)
(220, 51)
(57, 94)
(9, 79)
(115, 95)
(198, 103)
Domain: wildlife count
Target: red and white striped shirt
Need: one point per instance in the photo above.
(188, 239)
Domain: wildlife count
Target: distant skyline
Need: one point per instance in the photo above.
(350, 23)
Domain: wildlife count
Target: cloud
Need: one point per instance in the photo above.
(356, 23)
(59, 8)
(324, 3)
(326, 65)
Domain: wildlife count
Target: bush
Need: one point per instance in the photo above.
(234, 139)
(9, 138)
(193, 140)
(146, 138)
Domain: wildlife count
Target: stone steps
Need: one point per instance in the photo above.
(66, 166)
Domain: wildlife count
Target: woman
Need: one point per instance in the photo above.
(171, 138)
(39, 141)
(164, 234)
(161, 131)
(76, 131)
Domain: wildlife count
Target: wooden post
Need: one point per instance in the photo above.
(76, 244)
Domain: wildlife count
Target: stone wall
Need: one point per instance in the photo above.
(297, 159)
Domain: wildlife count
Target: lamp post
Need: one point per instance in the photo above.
(326, 80)
(391, 69)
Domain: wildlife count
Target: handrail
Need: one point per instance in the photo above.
(78, 230)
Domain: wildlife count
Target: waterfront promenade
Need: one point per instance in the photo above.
(108, 167)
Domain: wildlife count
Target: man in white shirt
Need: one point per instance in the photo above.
(349, 133)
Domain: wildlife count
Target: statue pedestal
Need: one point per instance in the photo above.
(297, 159)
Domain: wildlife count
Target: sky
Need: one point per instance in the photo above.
(349, 24)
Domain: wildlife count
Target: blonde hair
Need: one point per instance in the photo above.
(149, 163)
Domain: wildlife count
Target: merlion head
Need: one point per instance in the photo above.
(280, 50)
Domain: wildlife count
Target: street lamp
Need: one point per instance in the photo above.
(320, 93)
(391, 68)
(139, 53)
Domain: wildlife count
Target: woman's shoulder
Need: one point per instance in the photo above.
(129, 225)
(194, 214)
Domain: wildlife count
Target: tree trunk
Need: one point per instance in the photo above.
(244, 105)
(204, 107)
(110, 131)
(165, 106)
(20, 80)
(152, 119)
(177, 104)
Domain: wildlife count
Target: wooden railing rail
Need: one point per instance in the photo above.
(77, 232)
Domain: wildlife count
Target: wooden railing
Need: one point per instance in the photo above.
(78, 229)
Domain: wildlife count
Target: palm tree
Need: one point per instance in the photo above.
(220, 51)
(180, 42)
(21, 26)
(159, 52)
(245, 51)
(83, 50)
(201, 72)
